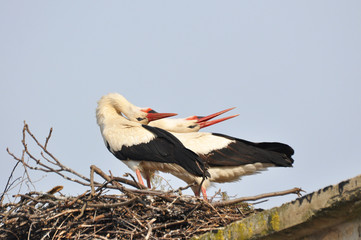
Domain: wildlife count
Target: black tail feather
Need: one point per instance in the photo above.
(244, 152)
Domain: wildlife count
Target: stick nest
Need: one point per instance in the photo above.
(102, 216)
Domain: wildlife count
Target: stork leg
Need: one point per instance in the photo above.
(204, 193)
(139, 176)
(148, 182)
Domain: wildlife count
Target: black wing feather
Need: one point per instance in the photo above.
(243, 152)
(164, 148)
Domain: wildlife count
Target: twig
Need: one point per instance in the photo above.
(218, 192)
(129, 182)
(259, 202)
(47, 138)
(135, 217)
(62, 213)
(43, 167)
(138, 185)
(195, 208)
(167, 225)
(8, 185)
(112, 205)
(55, 190)
(48, 233)
(209, 204)
(149, 228)
(22, 156)
(31, 225)
(253, 198)
(107, 178)
(92, 181)
(13, 234)
(58, 163)
(182, 188)
(99, 236)
(165, 180)
(81, 212)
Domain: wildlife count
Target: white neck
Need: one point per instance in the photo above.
(112, 106)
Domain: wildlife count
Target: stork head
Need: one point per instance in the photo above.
(190, 124)
(113, 104)
(178, 125)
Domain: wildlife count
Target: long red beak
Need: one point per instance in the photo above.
(203, 121)
(153, 115)
(209, 123)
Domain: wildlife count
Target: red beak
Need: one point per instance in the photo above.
(153, 115)
(203, 121)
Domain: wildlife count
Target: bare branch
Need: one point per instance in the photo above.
(253, 198)
(58, 163)
(149, 224)
(109, 179)
(129, 182)
(48, 137)
(8, 184)
(138, 185)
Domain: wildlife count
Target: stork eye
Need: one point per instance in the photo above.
(140, 119)
(192, 126)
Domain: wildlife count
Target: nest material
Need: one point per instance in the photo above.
(102, 216)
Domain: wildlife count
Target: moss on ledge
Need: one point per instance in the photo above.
(327, 207)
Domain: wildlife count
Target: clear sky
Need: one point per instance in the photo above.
(292, 69)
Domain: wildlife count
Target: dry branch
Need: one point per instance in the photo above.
(254, 198)
(8, 183)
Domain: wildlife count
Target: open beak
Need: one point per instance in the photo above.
(203, 121)
(153, 115)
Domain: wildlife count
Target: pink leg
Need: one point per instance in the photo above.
(196, 193)
(139, 176)
(204, 193)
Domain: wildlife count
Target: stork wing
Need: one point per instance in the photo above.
(164, 148)
(241, 152)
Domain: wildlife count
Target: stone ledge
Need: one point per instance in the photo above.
(327, 211)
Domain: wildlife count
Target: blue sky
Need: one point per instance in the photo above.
(292, 69)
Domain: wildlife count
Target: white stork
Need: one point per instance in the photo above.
(228, 158)
(143, 148)
(231, 158)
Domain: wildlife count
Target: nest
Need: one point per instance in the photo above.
(101, 216)
(135, 213)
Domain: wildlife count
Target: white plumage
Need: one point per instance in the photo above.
(142, 148)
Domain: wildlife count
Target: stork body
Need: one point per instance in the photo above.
(228, 158)
(231, 158)
(142, 148)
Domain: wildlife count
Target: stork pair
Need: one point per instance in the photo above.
(146, 143)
